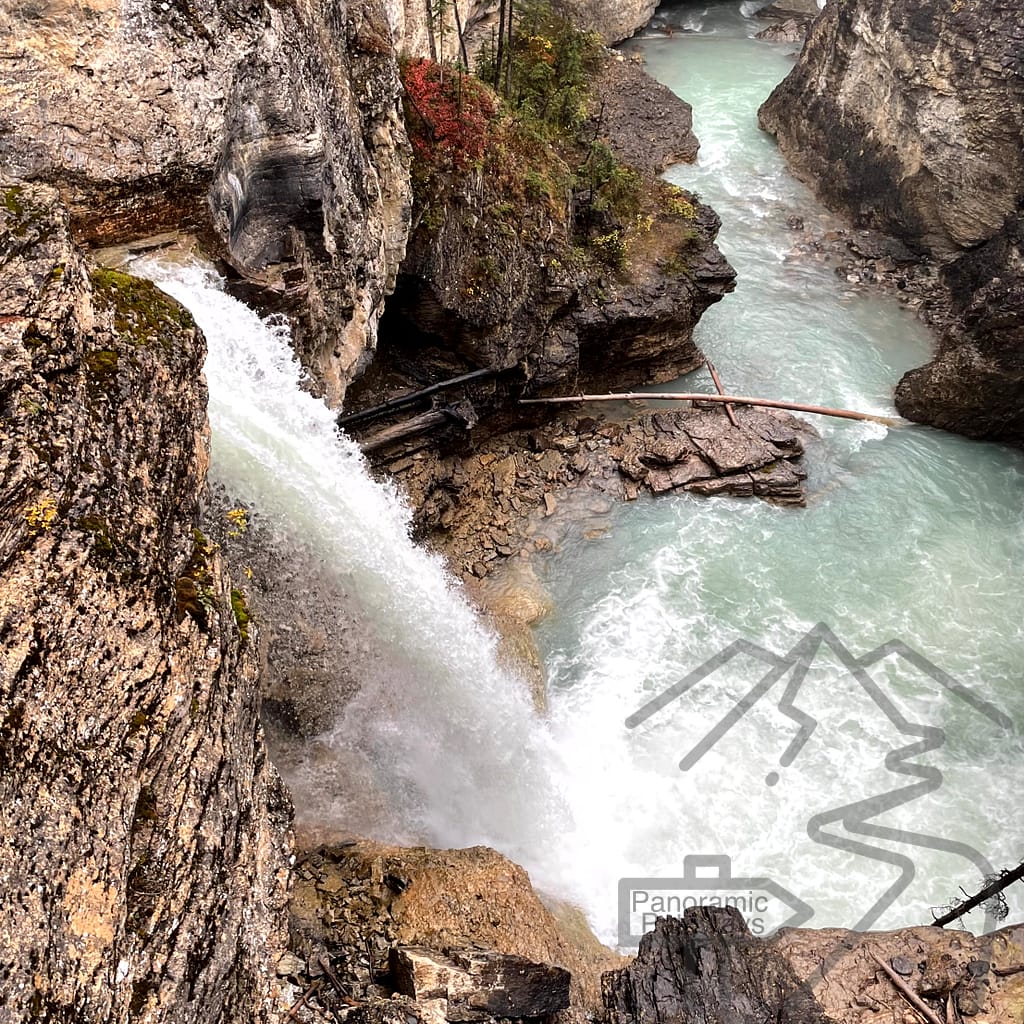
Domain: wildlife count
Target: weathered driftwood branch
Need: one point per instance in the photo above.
(414, 396)
(907, 992)
(461, 413)
(718, 387)
(404, 430)
(993, 889)
(769, 403)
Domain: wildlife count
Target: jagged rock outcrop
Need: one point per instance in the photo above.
(357, 900)
(503, 292)
(274, 127)
(143, 833)
(708, 967)
(644, 123)
(909, 117)
(975, 384)
(548, 258)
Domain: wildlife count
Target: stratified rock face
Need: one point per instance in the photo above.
(143, 834)
(284, 116)
(909, 117)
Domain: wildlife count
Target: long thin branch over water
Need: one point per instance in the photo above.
(770, 403)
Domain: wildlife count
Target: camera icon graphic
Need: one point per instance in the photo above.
(706, 881)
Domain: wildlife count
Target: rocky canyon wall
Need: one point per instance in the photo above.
(909, 117)
(143, 832)
(273, 128)
(613, 21)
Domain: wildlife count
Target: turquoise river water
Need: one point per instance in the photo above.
(910, 534)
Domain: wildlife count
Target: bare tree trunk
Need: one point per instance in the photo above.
(509, 49)
(430, 30)
(768, 403)
(499, 56)
(462, 40)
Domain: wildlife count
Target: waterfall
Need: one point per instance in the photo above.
(440, 736)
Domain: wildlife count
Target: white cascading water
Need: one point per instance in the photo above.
(441, 745)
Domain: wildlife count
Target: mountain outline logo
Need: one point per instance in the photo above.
(857, 817)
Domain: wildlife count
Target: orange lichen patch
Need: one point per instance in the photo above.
(91, 907)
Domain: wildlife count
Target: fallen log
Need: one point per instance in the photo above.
(768, 403)
(461, 413)
(413, 397)
(718, 387)
(995, 887)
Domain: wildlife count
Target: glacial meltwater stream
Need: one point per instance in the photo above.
(910, 534)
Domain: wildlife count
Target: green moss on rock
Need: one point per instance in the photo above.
(241, 610)
(143, 315)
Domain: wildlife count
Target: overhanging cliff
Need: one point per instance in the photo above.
(909, 117)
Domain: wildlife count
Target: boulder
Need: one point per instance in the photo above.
(478, 985)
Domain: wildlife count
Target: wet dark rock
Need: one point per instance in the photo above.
(975, 384)
(728, 448)
(707, 967)
(644, 123)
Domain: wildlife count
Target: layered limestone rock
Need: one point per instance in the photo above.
(909, 117)
(143, 833)
(274, 125)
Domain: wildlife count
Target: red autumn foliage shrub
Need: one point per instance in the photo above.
(448, 115)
